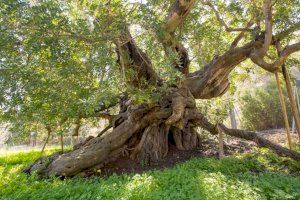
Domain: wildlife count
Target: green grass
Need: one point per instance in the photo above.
(259, 175)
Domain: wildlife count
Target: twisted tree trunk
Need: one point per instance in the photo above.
(144, 132)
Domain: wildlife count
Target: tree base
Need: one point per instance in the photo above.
(126, 165)
(144, 133)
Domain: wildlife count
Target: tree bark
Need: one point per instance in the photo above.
(143, 132)
(247, 135)
(284, 112)
(292, 99)
(47, 139)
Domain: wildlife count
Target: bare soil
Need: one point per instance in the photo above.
(278, 136)
(209, 148)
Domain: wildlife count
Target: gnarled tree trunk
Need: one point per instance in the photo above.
(143, 132)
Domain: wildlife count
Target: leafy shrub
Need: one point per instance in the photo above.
(216, 109)
(261, 109)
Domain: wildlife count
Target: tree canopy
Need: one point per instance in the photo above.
(58, 58)
(61, 61)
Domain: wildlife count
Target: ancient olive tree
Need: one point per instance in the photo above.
(172, 52)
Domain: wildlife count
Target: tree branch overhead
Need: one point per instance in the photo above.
(156, 108)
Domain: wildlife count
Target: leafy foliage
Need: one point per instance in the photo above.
(216, 109)
(49, 75)
(261, 109)
(259, 175)
(58, 59)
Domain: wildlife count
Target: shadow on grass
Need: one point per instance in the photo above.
(259, 175)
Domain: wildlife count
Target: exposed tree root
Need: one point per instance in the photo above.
(247, 135)
(144, 133)
(261, 142)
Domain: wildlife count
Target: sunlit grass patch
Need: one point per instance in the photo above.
(258, 175)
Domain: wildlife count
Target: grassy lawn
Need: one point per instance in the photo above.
(259, 175)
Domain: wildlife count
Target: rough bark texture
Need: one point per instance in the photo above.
(177, 14)
(145, 131)
(131, 57)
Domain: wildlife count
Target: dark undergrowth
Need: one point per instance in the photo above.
(258, 175)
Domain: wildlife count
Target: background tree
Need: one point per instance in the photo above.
(256, 106)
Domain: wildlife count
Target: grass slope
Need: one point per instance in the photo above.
(259, 175)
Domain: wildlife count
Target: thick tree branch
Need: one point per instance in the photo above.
(258, 54)
(261, 142)
(177, 14)
(212, 80)
(290, 49)
(104, 130)
(130, 56)
(247, 135)
(267, 9)
(275, 66)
